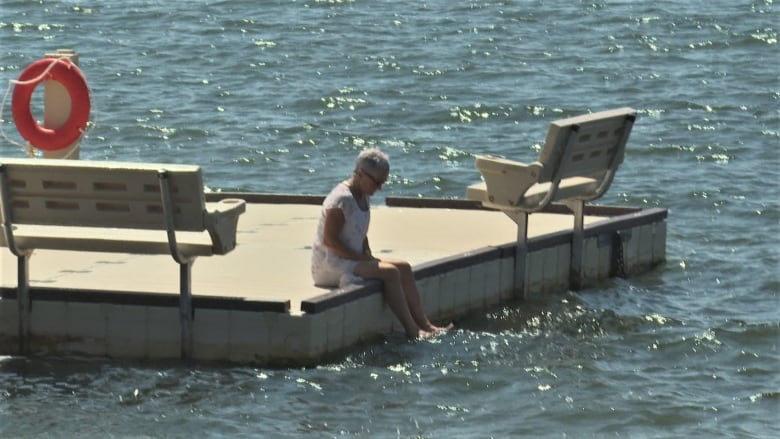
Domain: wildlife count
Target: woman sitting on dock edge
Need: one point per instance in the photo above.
(341, 251)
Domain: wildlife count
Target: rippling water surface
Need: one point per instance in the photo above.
(278, 96)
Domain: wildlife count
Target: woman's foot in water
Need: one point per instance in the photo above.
(423, 334)
(439, 329)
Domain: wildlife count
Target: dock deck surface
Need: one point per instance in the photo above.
(272, 259)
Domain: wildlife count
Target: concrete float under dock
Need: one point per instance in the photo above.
(258, 305)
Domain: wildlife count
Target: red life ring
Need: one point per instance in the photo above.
(70, 76)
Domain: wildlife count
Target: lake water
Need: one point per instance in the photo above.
(279, 96)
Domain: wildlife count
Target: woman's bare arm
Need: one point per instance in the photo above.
(334, 224)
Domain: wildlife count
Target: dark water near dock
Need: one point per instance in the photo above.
(278, 96)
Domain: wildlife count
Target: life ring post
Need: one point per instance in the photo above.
(57, 107)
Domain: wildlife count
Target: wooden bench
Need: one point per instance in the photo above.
(576, 164)
(93, 206)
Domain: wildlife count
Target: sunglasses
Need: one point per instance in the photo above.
(376, 181)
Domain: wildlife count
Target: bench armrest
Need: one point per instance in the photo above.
(222, 223)
(507, 181)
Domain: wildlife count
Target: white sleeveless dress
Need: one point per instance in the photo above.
(327, 269)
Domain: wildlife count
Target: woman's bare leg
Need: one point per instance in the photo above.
(393, 294)
(412, 295)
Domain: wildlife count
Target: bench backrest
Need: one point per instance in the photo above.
(100, 194)
(585, 145)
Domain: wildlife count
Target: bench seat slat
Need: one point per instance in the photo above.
(133, 241)
(568, 188)
(146, 214)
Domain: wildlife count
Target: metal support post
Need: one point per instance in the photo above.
(577, 243)
(186, 312)
(23, 302)
(521, 250)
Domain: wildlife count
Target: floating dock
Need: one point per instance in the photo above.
(258, 304)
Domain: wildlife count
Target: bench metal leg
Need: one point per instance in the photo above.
(521, 251)
(185, 308)
(577, 243)
(185, 266)
(23, 301)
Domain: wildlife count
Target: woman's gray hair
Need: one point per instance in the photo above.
(373, 161)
